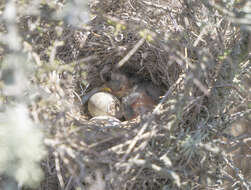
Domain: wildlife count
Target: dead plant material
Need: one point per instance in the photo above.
(188, 50)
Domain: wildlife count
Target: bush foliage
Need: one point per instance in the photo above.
(196, 52)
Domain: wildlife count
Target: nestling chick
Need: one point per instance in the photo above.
(137, 97)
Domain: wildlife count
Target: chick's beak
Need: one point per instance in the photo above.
(106, 89)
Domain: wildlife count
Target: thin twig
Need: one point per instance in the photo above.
(131, 52)
(59, 174)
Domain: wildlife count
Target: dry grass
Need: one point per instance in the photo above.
(196, 52)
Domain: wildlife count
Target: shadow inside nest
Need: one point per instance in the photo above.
(123, 96)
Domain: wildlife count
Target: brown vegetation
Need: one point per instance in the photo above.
(196, 52)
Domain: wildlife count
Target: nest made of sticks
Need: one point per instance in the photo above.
(162, 43)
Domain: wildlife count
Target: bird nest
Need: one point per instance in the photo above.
(170, 147)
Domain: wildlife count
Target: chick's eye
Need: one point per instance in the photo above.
(106, 77)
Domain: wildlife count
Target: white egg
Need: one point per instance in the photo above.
(103, 104)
